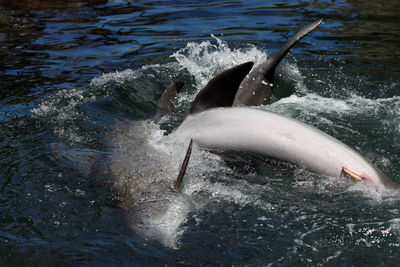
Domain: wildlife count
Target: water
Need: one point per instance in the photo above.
(79, 79)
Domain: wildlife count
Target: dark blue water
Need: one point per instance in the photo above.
(78, 79)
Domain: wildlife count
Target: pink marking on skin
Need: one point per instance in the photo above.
(356, 176)
(366, 178)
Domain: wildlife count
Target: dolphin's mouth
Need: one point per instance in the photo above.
(356, 176)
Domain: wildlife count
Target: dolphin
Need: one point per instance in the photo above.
(154, 204)
(141, 177)
(274, 135)
(215, 122)
(245, 84)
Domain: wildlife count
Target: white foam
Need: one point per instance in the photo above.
(119, 77)
(205, 60)
(314, 103)
(166, 226)
(311, 103)
(61, 111)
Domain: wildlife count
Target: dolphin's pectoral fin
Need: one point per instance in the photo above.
(256, 88)
(221, 90)
(178, 183)
(165, 103)
(355, 176)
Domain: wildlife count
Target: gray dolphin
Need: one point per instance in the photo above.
(220, 91)
(166, 102)
(256, 88)
(245, 85)
(143, 177)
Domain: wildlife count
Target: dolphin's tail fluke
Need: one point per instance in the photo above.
(178, 183)
(166, 102)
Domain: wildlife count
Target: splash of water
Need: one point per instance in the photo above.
(145, 162)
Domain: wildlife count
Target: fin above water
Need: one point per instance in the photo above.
(178, 182)
(165, 103)
(221, 90)
(256, 88)
(281, 53)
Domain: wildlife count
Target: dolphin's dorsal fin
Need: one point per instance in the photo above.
(165, 103)
(178, 182)
(221, 90)
(256, 88)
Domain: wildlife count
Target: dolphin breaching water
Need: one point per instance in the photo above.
(220, 119)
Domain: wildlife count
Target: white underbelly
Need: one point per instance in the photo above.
(272, 135)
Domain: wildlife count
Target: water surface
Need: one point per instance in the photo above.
(77, 79)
